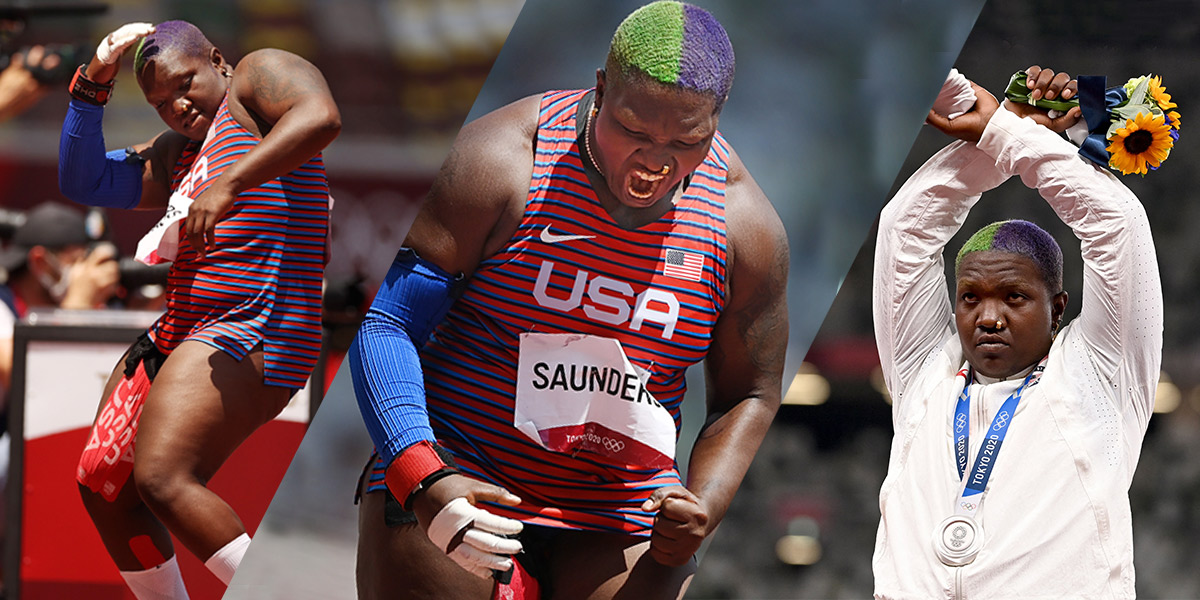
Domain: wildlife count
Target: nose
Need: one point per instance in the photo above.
(658, 162)
(182, 106)
(990, 317)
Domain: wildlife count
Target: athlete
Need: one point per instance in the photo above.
(1016, 434)
(578, 251)
(241, 331)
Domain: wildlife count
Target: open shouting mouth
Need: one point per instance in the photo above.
(642, 184)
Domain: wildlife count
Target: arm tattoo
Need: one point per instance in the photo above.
(761, 322)
(282, 82)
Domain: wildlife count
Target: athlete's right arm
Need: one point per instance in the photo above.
(473, 208)
(475, 200)
(87, 174)
(912, 311)
(119, 179)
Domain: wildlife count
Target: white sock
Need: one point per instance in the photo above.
(159, 583)
(224, 562)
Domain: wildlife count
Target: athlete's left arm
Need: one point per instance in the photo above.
(294, 111)
(744, 369)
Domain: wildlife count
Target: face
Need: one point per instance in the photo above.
(1001, 286)
(52, 268)
(186, 90)
(644, 126)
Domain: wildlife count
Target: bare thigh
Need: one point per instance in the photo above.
(602, 566)
(202, 406)
(401, 563)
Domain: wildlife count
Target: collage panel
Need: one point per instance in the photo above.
(792, 139)
(402, 77)
(834, 435)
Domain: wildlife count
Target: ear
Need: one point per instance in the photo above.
(216, 60)
(600, 81)
(36, 260)
(1058, 305)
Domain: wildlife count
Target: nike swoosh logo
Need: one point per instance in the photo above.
(551, 238)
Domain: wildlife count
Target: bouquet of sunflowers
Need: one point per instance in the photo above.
(1130, 128)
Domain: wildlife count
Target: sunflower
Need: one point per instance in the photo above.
(1160, 95)
(1144, 140)
(1173, 116)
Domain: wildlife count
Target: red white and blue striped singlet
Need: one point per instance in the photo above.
(470, 362)
(262, 283)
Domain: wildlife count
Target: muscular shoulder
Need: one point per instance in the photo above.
(486, 176)
(491, 161)
(269, 82)
(757, 241)
(499, 146)
(270, 58)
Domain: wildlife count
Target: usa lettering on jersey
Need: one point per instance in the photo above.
(610, 301)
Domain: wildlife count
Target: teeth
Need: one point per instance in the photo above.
(644, 176)
(639, 178)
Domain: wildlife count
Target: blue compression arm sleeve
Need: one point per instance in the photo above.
(86, 174)
(384, 364)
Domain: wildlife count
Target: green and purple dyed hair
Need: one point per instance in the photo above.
(1023, 238)
(170, 36)
(676, 44)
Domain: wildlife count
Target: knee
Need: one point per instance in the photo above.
(159, 484)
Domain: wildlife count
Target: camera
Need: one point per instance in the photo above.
(70, 57)
(13, 18)
(134, 274)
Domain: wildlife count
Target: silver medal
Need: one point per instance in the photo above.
(957, 540)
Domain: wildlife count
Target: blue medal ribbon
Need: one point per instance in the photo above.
(990, 449)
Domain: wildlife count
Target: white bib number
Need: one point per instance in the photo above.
(580, 393)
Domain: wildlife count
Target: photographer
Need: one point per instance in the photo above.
(53, 261)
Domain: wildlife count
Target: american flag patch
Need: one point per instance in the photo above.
(683, 265)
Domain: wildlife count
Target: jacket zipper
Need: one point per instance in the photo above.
(977, 430)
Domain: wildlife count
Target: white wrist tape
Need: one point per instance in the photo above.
(956, 96)
(482, 550)
(116, 43)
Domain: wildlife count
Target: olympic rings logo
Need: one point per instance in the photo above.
(967, 505)
(612, 445)
(1001, 421)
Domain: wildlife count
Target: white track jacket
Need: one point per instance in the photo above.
(1055, 515)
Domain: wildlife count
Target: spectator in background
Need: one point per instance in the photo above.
(52, 262)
